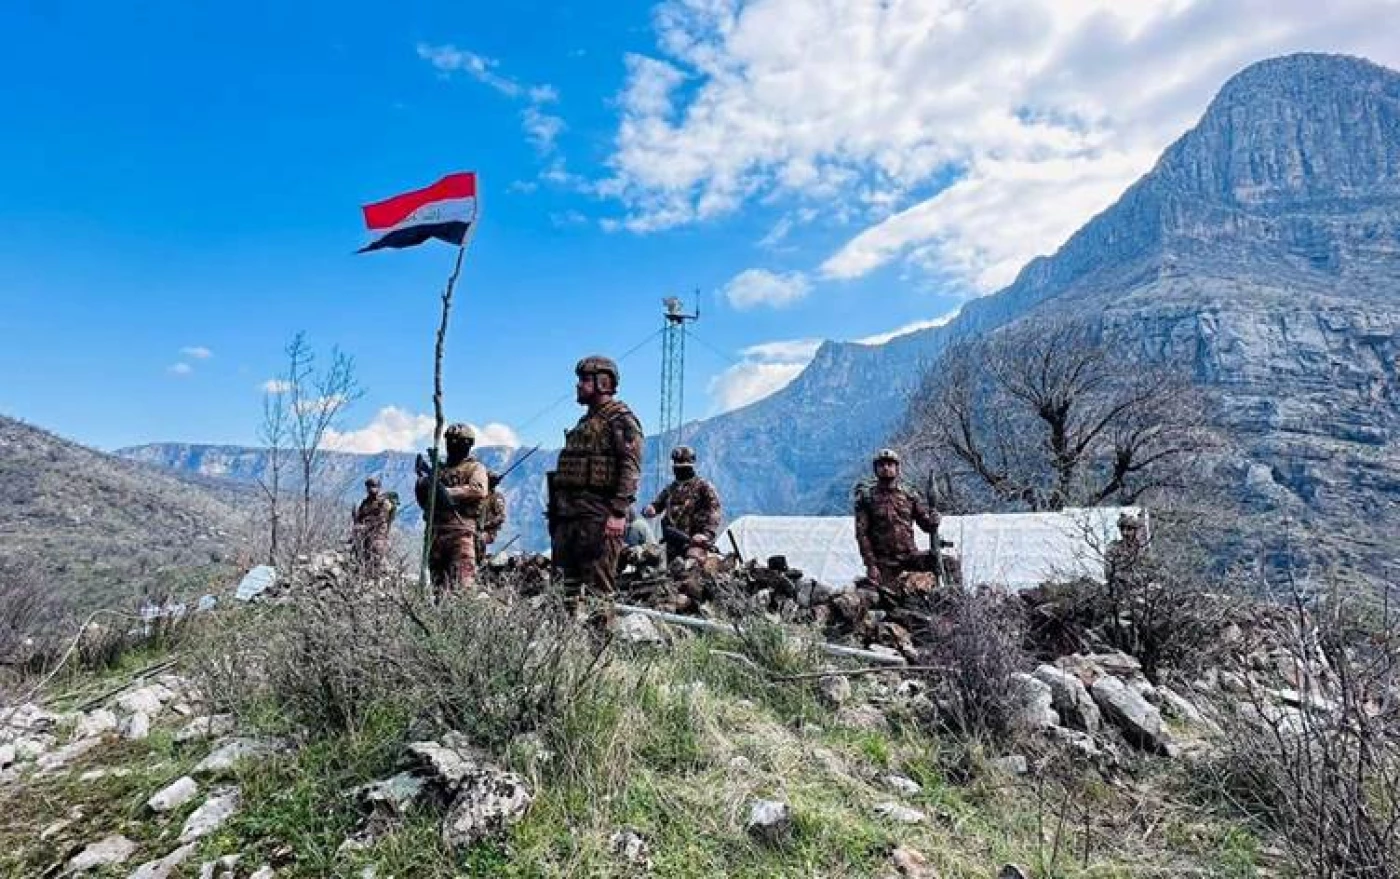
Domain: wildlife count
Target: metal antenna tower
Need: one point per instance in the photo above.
(673, 373)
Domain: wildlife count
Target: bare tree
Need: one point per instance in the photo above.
(1047, 415)
(274, 436)
(299, 408)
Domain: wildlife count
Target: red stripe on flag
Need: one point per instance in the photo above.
(391, 211)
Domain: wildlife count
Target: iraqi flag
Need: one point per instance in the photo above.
(445, 211)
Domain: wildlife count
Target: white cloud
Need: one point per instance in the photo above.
(542, 129)
(1038, 112)
(397, 430)
(882, 338)
(197, 352)
(764, 369)
(755, 287)
(447, 59)
(496, 434)
(181, 369)
(276, 386)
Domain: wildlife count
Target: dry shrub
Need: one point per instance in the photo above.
(975, 642)
(1326, 774)
(333, 660)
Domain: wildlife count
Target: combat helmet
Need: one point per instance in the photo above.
(460, 432)
(1127, 521)
(683, 456)
(885, 455)
(595, 364)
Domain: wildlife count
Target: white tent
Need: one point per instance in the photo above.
(1015, 550)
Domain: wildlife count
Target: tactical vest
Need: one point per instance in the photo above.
(588, 460)
(458, 476)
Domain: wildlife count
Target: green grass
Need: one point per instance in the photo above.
(656, 751)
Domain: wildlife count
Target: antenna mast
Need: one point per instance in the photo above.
(673, 373)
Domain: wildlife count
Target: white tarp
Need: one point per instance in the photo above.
(255, 582)
(1015, 550)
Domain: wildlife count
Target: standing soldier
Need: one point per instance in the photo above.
(1124, 561)
(886, 512)
(372, 524)
(690, 508)
(493, 517)
(462, 487)
(595, 481)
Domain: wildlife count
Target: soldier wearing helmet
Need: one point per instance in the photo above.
(886, 512)
(492, 517)
(461, 490)
(690, 508)
(1123, 563)
(595, 481)
(372, 525)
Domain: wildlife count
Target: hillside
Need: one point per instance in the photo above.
(101, 531)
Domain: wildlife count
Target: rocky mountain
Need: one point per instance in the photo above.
(1262, 252)
(99, 530)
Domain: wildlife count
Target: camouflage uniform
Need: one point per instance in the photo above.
(372, 526)
(886, 513)
(1124, 563)
(491, 519)
(596, 478)
(690, 505)
(452, 556)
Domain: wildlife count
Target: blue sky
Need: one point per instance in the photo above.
(180, 184)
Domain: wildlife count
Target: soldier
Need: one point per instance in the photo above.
(690, 508)
(886, 512)
(1123, 563)
(492, 518)
(462, 488)
(595, 481)
(372, 524)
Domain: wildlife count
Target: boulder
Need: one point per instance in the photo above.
(207, 727)
(1069, 698)
(901, 814)
(106, 853)
(174, 795)
(1125, 708)
(228, 753)
(911, 864)
(631, 848)
(210, 816)
(136, 727)
(1034, 700)
(835, 690)
(634, 628)
(146, 700)
(95, 723)
(770, 821)
(164, 867)
(899, 784)
(485, 799)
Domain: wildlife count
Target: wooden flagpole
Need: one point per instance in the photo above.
(437, 399)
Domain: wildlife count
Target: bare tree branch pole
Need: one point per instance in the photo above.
(438, 351)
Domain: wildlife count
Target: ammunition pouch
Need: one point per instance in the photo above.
(585, 470)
